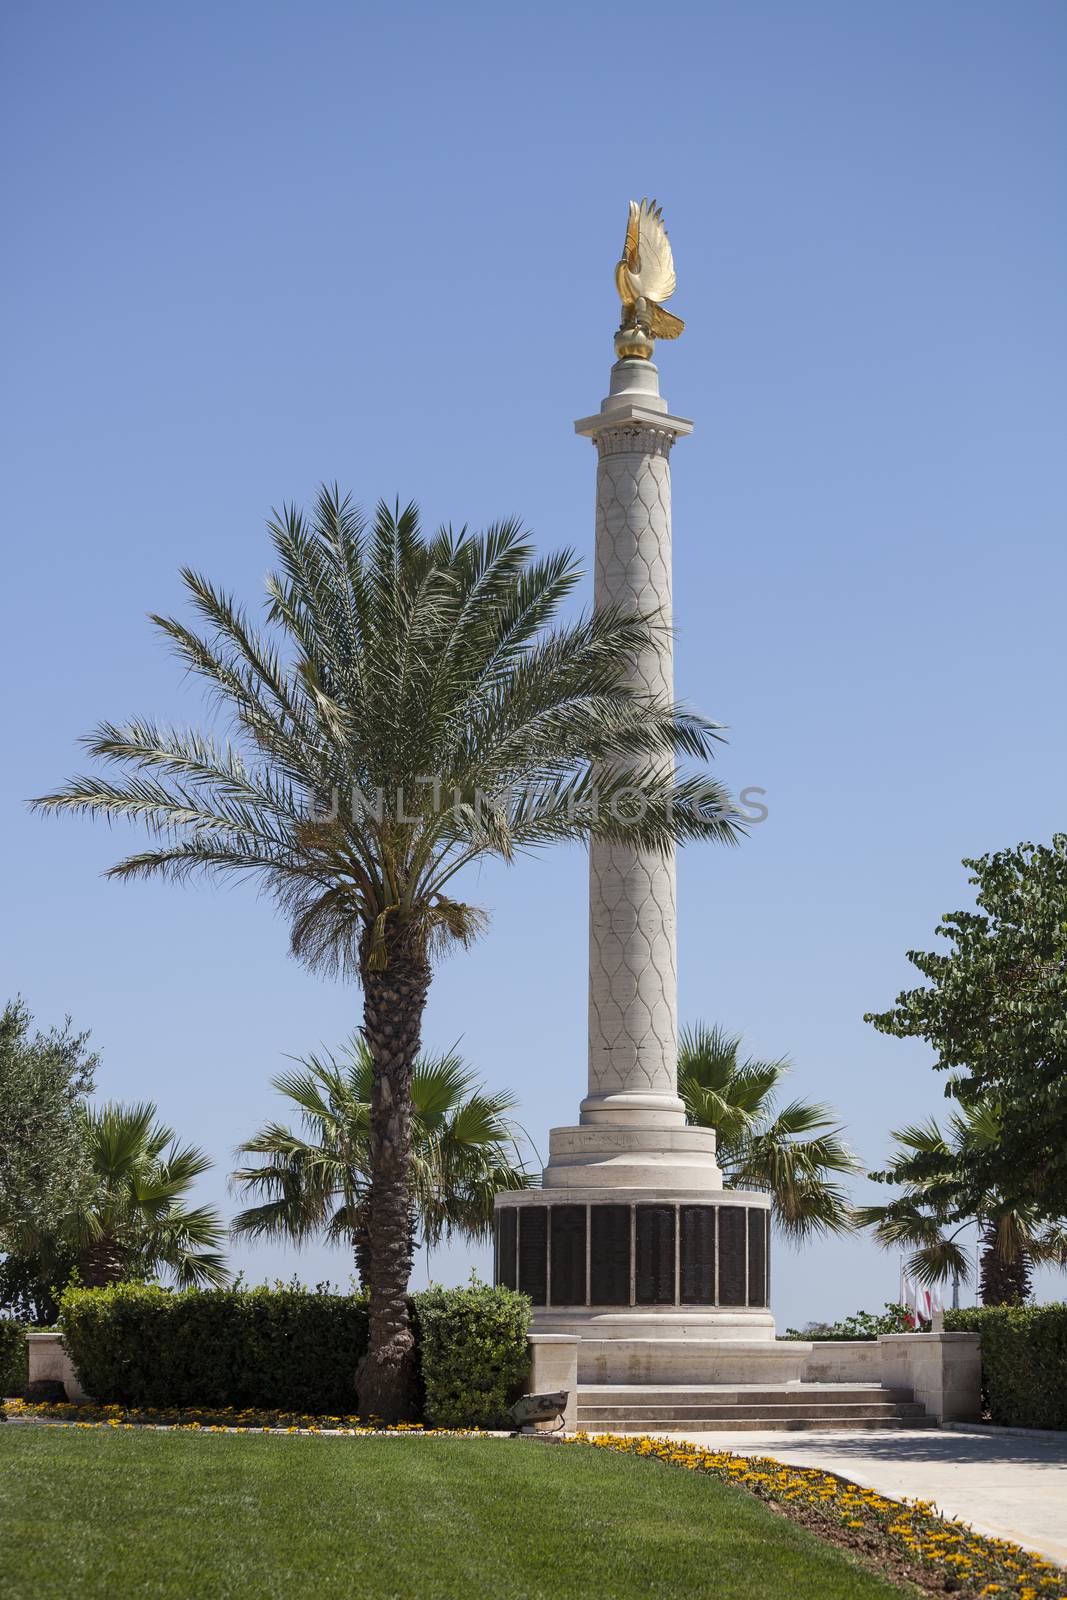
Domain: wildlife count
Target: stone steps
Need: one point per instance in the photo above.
(644, 1408)
(736, 1393)
(813, 1412)
(828, 1424)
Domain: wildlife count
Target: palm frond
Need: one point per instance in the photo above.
(760, 1146)
(315, 1183)
(138, 1204)
(931, 1165)
(399, 667)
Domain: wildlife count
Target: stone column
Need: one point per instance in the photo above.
(632, 1132)
(633, 1027)
(632, 1244)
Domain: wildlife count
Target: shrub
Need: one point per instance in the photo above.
(861, 1325)
(473, 1353)
(1024, 1362)
(287, 1348)
(12, 1358)
(292, 1349)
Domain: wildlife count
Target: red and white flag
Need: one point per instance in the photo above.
(918, 1298)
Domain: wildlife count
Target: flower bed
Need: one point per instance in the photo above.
(910, 1541)
(210, 1419)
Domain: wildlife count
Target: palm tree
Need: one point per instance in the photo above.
(406, 712)
(793, 1152)
(934, 1211)
(133, 1221)
(317, 1181)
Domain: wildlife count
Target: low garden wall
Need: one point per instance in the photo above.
(842, 1361)
(942, 1370)
(1024, 1362)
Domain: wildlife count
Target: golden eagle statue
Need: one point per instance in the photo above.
(645, 278)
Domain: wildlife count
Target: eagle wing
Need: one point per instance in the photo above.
(633, 228)
(656, 272)
(662, 324)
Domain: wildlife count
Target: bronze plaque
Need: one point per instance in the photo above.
(757, 1257)
(533, 1252)
(505, 1246)
(732, 1253)
(654, 1259)
(609, 1256)
(568, 1255)
(697, 1251)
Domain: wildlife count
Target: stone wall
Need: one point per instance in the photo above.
(943, 1371)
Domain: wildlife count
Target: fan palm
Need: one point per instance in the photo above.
(133, 1221)
(933, 1211)
(794, 1152)
(317, 1181)
(138, 1222)
(406, 711)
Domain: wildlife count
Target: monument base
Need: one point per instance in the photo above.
(656, 1161)
(690, 1360)
(661, 1283)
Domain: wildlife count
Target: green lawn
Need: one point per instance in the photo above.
(170, 1514)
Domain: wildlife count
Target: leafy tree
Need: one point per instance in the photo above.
(995, 1013)
(33, 1278)
(317, 1181)
(44, 1167)
(44, 1080)
(860, 1325)
(406, 712)
(794, 1152)
(134, 1221)
(936, 1207)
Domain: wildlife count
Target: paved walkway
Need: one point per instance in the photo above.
(1002, 1484)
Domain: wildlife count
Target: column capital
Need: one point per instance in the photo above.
(632, 417)
(634, 436)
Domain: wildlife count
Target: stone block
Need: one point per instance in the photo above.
(554, 1365)
(843, 1361)
(942, 1370)
(49, 1362)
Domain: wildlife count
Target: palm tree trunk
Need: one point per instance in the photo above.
(1002, 1282)
(103, 1263)
(361, 1254)
(393, 1003)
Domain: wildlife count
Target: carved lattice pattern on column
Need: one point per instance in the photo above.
(632, 935)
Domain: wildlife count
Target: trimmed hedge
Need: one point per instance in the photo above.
(1024, 1362)
(291, 1349)
(12, 1358)
(473, 1354)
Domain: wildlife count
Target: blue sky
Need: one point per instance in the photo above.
(256, 246)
